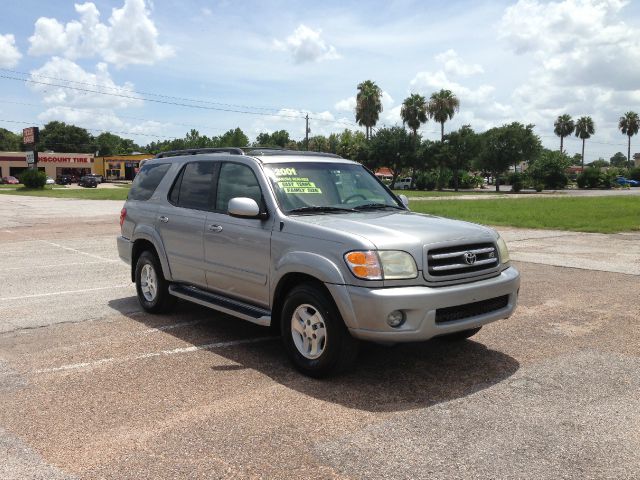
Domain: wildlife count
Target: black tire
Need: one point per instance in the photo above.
(461, 335)
(162, 301)
(340, 348)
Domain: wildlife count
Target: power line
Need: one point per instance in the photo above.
(175, 103)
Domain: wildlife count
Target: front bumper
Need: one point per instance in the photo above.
(365, 310)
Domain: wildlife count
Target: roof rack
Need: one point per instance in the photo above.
(198, 151)
(254, 151)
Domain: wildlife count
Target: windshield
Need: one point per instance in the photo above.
(327, 188)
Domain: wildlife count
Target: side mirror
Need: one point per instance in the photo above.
(244, 207)
(405, 200)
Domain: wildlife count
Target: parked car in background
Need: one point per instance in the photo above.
(99, 178)
(50, 181)
(10, 180)
(402, 184)
(88, 182)
(63, 180)
(627, 181)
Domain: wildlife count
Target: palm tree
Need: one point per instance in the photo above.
(414, 112)
(584, 129)
(629, 124)
(563, 127)
(368, 105)
(442, 106)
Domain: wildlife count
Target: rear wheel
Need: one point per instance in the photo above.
(461, 335)
(314, 334)
(152, 288)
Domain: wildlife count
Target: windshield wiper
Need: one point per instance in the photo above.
(368, 206)
(320, 209)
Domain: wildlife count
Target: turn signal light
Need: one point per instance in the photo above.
(364, 264)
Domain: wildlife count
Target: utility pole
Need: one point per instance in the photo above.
(306, 138)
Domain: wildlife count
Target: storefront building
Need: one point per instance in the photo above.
(120, 167)
(53, 164)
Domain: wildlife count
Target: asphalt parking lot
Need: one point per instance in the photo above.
(92, 387)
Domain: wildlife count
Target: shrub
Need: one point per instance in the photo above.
(539, 187)
(517, 182)
(444, 176)
(634, 173)
(33, 179)
(589, 178)
(469, 181)
(426, 181)
(549, 169)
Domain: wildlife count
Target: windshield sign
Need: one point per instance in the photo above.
(314, 188)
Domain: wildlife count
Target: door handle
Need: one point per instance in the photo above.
(163, 218)
(215, 228)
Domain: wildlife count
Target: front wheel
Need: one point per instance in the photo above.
(152, 288)
(314, 334)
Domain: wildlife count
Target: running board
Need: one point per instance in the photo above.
(223, 304)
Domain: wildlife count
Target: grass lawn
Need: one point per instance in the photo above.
(588, 214)
(83, 193)
(447, 193)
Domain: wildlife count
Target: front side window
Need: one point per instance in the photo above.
(147, 180)
(236, 180)
(192, 188)
(327, 187)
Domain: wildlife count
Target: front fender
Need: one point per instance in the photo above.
(145, 232)
(308, 263)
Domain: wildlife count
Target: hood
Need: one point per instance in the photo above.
(401, 230)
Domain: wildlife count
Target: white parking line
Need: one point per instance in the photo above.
(75, 250)
(66, 292)
(60, 265)
(175, 351)
(171, 326)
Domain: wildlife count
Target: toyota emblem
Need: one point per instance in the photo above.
(469, 258)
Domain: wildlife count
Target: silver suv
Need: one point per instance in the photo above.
(312, 245)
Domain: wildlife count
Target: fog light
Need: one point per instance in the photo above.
(396, 318)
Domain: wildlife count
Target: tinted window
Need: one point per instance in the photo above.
(236, 180)
(148, 180)
(194, 189)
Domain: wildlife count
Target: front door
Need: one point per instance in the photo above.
(238, 250)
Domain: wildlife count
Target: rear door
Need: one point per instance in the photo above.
(181, 222)
(238, 250)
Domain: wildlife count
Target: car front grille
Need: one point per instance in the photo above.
(460, 312)
(461, 260)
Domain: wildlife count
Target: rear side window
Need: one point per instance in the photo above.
(192, 188)
(147, 180)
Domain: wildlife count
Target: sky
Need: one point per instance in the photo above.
(151, 70)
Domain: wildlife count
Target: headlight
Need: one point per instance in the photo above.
(387, 264)
(503, 251)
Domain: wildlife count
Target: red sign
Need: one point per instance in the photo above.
(57, 159)
(30, 135)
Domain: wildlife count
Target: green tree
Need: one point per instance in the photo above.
(108, 144)
(278, 138)
(599, 163)
(460, 148)
(368, 105)
(60, 137)
(393, 148)
(9, 141)
(629, 124)
(319, 143)
(563, 127)
(234, 138)
(507, 145)
(414, 112)
(584, 129)
(549, 169)
(618, 160)
(442, 106)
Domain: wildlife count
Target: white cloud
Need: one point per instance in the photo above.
(306, 45)
(453, 64)
(60, 71)
(9, 54)
(346, 105)
(428, 82)
(130, 38)
(585, 61)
